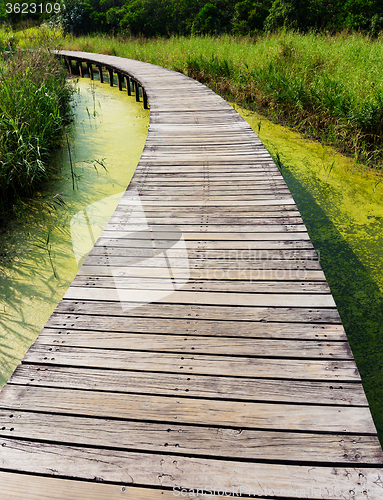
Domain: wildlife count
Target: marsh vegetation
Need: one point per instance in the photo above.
(34, 109)
(328, 87)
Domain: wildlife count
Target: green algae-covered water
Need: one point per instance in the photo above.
(37, 259)
(342, 207)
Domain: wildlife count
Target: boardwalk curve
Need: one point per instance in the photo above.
(198, 352)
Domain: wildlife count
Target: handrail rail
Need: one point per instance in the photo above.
(110, 67)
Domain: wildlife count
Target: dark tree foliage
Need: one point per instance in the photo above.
(214, 18)
(207, 21)
(72, 17)
(328, 15)
(2, 12)
(152, 18)
(147, 17)
(249, 16)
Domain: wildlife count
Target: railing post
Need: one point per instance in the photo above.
(136, 90)
(70, 66)
(79, 67)
(67, 62)
(128, 91)
(119, 78)
(145, 98)
(110, 71)
(100, 73)
(90, 70)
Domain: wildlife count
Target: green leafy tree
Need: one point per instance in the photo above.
(183, 13)
(249, 16)
(207, 21)
(72, 17)
(289, 13)
(362, 15)
(146, 17)
(2, 12)
(329, 15)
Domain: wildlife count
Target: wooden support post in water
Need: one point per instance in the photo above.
(128, 91)
(70, 66)
(100, 73)
(120, 79)
(79, 68)
(145, 98)
(110, 71)
(90, 70)
(67, 62)
(136, 91)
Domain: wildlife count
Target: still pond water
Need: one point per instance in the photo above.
(105, 144)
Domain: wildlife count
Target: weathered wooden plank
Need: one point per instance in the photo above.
(145, 190)
(155, 179)
(202, 250)
(157, 235)
(141, 283)
(208, 118)
(283, 259)
(238, 151)
(121, 211)
(15, 486)
(190, 440)
(196, 345)
(204, 312)
(199, 386)
(223, 298)
(183, 161)
(194, 133)
(111, 318)
(236, 231)
(167, 149)
(214, 197)
(243, 211)
(264, 204)
(261, 168)
(217, 236)
(186, 410)
(211, 274)
(171, 143)
(203, 264)
(193, 473)
(200, 364)
(221, 206)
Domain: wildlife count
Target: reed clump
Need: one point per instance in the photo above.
(34, 108)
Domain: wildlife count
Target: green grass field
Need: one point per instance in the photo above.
(328, 87)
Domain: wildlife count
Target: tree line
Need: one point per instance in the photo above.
(153, 18)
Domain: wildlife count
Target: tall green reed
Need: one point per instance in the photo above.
(34, 109)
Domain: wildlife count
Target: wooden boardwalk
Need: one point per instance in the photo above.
(198, 350)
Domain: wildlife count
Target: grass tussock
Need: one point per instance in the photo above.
(327, 87)
(34, 108)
